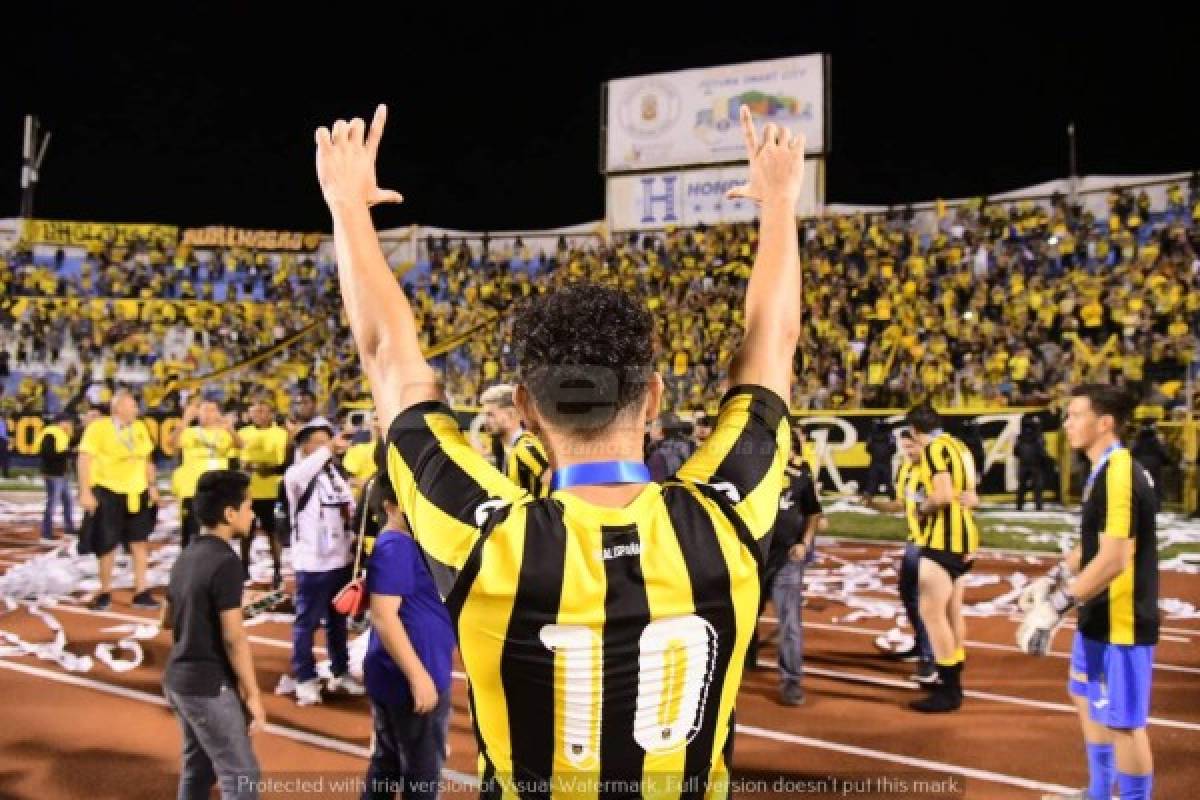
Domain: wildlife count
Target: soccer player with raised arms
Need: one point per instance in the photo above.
(603, 628)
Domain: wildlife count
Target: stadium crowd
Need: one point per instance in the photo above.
(1004, 304)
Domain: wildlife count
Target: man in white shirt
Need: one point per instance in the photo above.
(321, 505)
(982, 262)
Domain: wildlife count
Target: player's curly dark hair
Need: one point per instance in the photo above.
(585, 353)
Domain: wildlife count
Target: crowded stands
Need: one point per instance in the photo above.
(1000, 304)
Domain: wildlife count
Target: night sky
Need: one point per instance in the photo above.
(208, 118)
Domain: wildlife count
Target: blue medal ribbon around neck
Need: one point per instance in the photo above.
(596, 472)
(1100, 462)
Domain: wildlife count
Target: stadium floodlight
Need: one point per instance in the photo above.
(33, 153)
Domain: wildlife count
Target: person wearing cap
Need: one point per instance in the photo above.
(54, 449)
(321, 506)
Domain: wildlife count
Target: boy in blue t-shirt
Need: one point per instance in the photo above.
(408, 661)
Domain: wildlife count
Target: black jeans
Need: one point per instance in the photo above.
(879, 476)
(264, 514)
(410, 749)
(1034, 477)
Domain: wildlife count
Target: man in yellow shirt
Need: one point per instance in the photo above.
(205, 447)
(1018, 369)
(359, 460)
(117, 487)
(264, 455)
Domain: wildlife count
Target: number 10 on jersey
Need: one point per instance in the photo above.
(676, 659)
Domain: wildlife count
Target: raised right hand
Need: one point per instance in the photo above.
(346, 163)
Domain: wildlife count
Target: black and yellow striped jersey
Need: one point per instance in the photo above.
(951, 529)
(1122, 504)
(910, 492)
(526, 464)
(601, 644)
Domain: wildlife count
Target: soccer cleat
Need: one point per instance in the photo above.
(910, 655)
(146, 600)
(946, 695)
(939, 701)
(101, 602)
(308, 693)
(346, 684)
(926, 673)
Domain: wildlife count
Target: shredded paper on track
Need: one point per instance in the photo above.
(861, 579)
(48, 574)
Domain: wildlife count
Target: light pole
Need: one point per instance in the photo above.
(32, 154)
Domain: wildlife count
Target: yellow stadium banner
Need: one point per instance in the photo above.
(220, 236)
(94, 235)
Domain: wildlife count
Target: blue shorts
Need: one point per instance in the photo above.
(1115, 679)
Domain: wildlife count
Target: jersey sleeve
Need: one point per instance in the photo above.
(1118, 495)
(937, 457)
(445, 488)
(525, 465)
(746, 455)
(227, 585)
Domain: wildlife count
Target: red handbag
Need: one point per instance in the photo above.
(352, 599)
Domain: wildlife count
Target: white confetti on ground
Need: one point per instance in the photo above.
(60, 574)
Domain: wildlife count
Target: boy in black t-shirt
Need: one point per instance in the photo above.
(209, 680)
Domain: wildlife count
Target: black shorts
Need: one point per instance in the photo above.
(264, 513)
(955, 564)
(114, 525)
